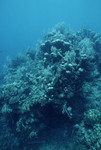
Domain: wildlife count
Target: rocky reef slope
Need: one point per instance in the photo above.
(51, 96)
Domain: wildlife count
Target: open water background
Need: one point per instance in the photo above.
(23, 22)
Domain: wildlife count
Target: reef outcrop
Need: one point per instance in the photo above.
(54, 89)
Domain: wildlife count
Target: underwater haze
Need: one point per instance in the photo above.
(50, 85)
(22, 22)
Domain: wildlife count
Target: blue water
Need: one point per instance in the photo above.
(22, 22)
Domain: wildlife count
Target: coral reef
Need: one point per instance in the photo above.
(89, 131)
(51, 95)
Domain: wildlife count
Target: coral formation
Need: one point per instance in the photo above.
(51, 94)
